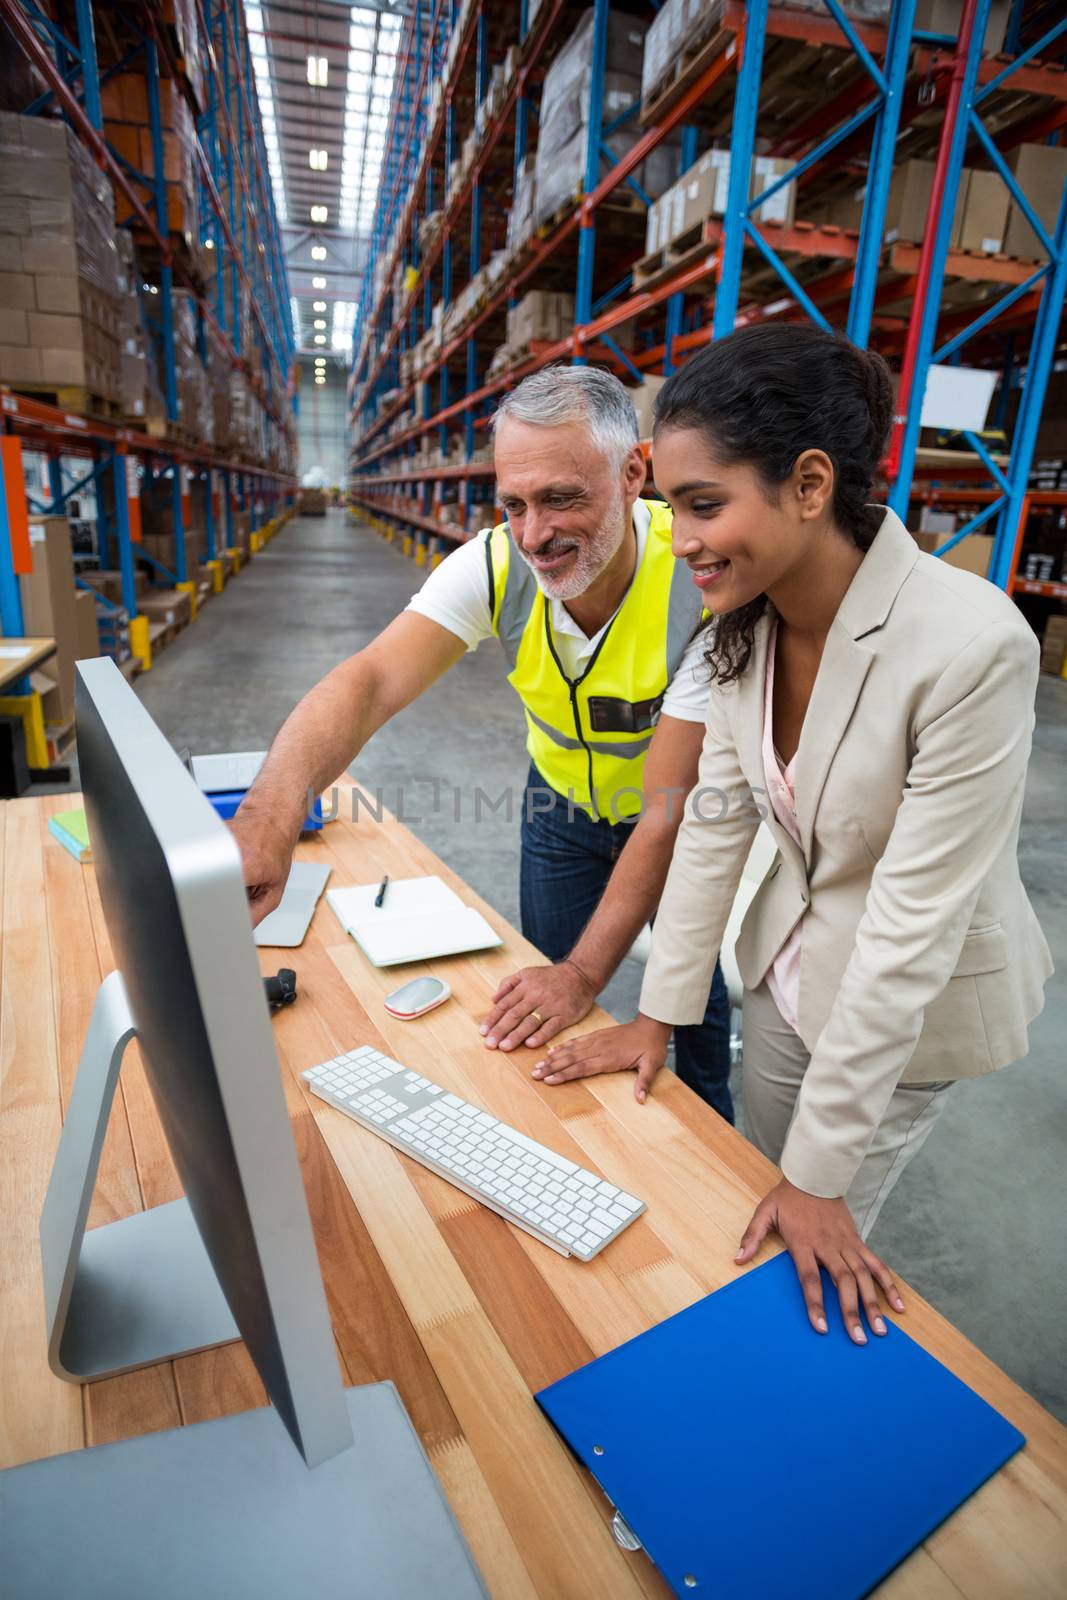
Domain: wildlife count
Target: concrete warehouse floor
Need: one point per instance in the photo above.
(977, 1222)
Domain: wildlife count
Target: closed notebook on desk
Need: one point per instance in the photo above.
(758, 1460)
(418, 920)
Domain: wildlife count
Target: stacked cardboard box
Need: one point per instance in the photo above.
(540, 315)
(644, 400)
(1054, 645)
(166, 608)
(109, 584)
(985, 220)
(61, 281)
(1041, 171)
(126, 125)
(944, 16)
(196, 412)
(312, 503)
(52, 607)
(702, 192)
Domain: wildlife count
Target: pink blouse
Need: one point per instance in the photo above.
(783, 979)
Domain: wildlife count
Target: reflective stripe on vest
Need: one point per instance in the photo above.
(588, 736)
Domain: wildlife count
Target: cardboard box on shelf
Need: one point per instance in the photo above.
(1054, 645)
(169, 606)
(86, 633)
(909, 202)
(972, 554)
(985, 212)
(644, 399)
(702, 192)
(944, 16)
(109, 583)
(541, 314)
(19, 364)
(1041, 172)
(48, 608)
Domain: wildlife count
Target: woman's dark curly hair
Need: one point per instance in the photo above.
(762, 396)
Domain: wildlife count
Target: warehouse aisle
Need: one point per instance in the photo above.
(324, 587)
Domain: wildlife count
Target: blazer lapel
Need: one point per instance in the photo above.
(842, 670)
(846, 662)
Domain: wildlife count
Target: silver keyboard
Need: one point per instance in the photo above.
(574, 1211)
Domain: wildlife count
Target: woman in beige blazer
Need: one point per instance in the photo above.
(876, 707)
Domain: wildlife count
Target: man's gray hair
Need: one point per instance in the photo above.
(561, 394)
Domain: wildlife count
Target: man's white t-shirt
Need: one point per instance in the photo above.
(456, 595)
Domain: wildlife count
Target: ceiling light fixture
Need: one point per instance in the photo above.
(318, 283)
(318, 252)
(318, 160)
(320, 213)
(320, 338)
(320, 322)
(318, 71)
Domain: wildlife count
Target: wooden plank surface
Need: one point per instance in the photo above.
(31, 653)
(467, 1315)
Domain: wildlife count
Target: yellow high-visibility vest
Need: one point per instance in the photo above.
(588, 736)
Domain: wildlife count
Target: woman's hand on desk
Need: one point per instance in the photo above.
(639, 1046)
(534, 1004)
(819, 1232)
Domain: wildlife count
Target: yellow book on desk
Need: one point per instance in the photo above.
(72, 831)
(420, 919)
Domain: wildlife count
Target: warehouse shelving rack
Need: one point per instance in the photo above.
(243, 236)
(877, 106)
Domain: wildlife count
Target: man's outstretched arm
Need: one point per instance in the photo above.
(323, 736)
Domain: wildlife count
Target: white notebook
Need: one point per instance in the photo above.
(420, 919)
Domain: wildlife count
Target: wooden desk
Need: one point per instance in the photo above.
(465, 1313)
(31, 652)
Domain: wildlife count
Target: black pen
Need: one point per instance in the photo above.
(380, 896)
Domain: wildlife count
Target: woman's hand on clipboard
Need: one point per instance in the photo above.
(821, 1233)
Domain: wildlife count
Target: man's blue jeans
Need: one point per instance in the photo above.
(567, 859)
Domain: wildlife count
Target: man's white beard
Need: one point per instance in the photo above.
(593, 554)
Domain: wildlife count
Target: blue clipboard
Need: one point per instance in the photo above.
(756, 1459)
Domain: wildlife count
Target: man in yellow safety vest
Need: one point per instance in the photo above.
(600, 628)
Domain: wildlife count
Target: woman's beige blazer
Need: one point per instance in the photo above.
(922, 959)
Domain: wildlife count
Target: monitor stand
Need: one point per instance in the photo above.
(133, 1292)
(227, 1510)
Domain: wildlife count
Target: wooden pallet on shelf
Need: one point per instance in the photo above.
(71, 397)
(685, 251)
(708, 42)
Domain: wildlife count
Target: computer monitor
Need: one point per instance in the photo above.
(172, 891)
(225, 1506)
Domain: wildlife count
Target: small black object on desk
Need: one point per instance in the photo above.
(281, 989)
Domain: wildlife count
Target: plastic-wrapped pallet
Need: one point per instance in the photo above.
(196, 412)
(140, 393)
(521, 215)
(564, 119)
(679, 26)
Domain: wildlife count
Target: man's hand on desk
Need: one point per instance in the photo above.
(819, 1232)
(639, 1046)
(266, 857)
(535, 1003)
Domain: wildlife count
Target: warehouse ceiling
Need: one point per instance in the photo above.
(324, 75)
